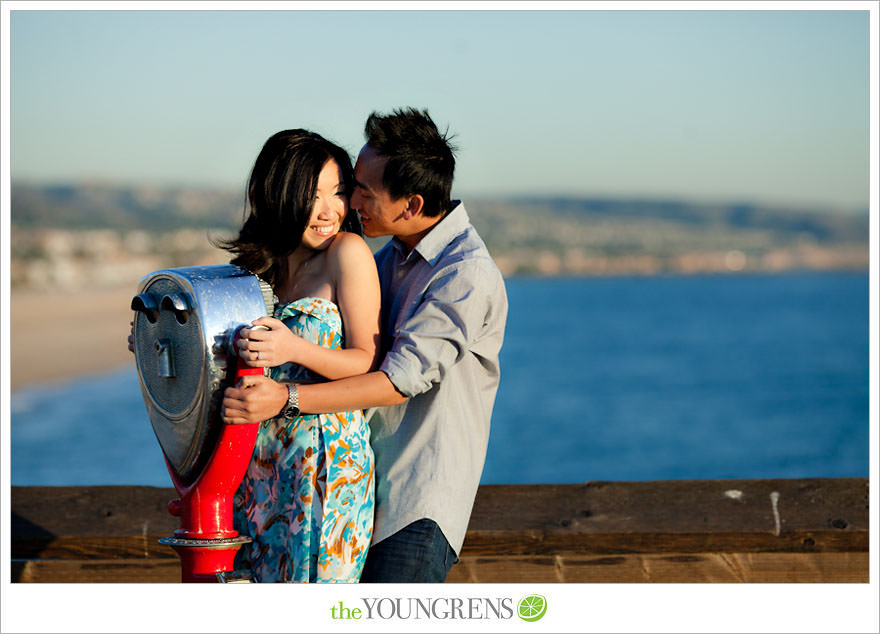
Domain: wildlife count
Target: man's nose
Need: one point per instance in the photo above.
(355, 200)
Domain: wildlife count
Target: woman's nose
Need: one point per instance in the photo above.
(325, 209)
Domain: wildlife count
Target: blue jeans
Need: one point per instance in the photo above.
(418, 553)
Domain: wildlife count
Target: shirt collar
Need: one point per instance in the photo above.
(432, 245)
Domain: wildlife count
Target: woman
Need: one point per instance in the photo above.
(307, 498)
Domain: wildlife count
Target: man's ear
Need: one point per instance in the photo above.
(414, 205)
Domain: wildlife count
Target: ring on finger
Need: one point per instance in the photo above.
(258, 356)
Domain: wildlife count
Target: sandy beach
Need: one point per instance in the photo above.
(59, 335)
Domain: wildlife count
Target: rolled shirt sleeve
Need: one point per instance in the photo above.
(440, 331)
(444, 311)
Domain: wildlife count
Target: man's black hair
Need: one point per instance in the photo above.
(420, 159)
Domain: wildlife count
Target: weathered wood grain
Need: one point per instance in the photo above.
(700, 530)
(101, 522)
(666, 568)
(96, 571)
(814, 515)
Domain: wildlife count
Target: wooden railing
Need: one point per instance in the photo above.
(805, 530)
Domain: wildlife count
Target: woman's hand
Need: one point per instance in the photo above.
(268, 343)
(253, 400)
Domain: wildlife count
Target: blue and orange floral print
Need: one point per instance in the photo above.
(307, 498)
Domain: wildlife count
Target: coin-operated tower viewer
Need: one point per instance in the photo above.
(185, 325)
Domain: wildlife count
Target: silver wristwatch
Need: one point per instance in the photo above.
(291, 410)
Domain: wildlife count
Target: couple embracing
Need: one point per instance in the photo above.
(382, 370)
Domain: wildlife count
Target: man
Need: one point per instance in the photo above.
(444, 308)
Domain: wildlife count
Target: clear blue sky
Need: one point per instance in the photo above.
(759, 106)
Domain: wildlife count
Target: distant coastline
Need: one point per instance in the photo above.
(807, 257)
(62, 334)
(78, 252)
(78, 235)
(49, 259)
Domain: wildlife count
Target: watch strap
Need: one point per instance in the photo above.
(291, 409)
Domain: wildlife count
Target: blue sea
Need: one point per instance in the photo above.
(625, 378)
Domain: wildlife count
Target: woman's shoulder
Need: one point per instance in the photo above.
(349, 258)
(347, 238)
(347, 245)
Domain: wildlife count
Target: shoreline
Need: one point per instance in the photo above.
(61, 335)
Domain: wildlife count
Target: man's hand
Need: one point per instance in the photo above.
(253, 400)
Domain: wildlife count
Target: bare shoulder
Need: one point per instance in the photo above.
(347, 249)
(345, 243)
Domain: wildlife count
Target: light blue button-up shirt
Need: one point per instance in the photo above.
(444, 309)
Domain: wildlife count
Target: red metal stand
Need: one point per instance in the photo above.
(206, 542)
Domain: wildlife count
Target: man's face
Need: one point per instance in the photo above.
(380, 215)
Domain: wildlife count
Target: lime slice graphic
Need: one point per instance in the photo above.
(532, 607)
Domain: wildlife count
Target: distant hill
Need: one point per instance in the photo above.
(632, 215)
(143, 228)
(123, 208)
(167, 209)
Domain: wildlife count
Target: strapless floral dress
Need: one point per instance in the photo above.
(307, 498)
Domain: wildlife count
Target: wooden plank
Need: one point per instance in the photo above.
(96, 571)
(675, 506)
(804, 515)
(667, 568)
(495, 543)
(837, 505)
(565, 542)
(91, 522)
(93, 510)
(673, 531)
(94, 547)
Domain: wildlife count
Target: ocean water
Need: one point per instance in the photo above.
(642, 378)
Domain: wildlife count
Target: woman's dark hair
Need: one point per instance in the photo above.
(420, 159)
(280, 195)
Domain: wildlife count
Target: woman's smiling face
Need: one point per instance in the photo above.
(328, 209)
